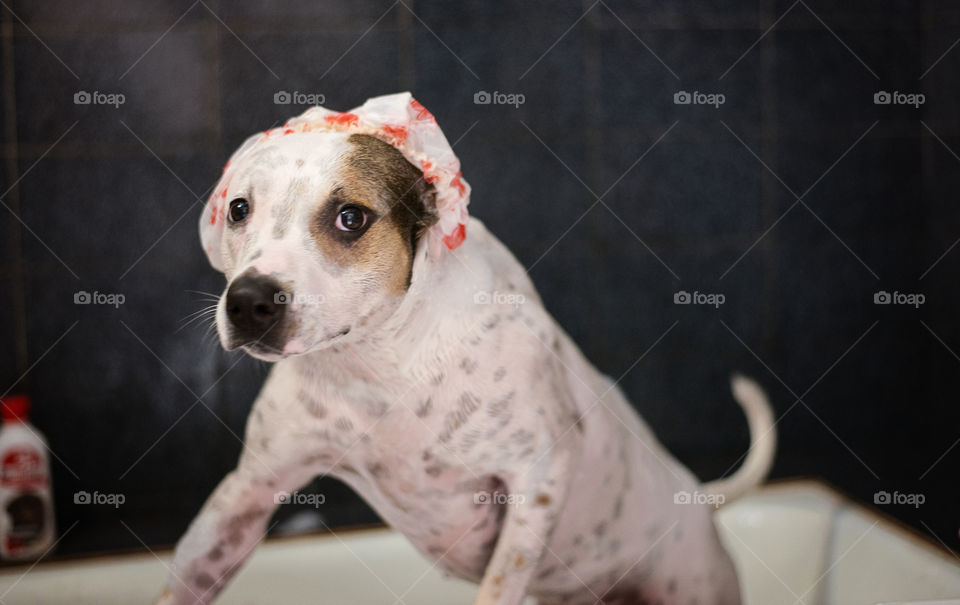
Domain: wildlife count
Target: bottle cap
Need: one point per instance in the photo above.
(14, 407)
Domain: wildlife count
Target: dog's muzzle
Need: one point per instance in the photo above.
(255, 307)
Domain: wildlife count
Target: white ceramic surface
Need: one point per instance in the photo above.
(793, 542)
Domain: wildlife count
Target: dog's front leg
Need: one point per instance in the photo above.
(234, 518)
(220, 538)
(537, 497)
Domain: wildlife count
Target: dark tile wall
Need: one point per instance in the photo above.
(138, 400)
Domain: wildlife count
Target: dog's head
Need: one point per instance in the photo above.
(318, 241)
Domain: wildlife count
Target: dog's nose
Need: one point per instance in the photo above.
(254, 305)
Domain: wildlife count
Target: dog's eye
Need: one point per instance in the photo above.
(351, 218)
(239, 209)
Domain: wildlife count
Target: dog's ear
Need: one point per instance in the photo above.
(426, 204)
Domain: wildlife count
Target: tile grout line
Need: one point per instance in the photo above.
(214, 33)
(928, 149)
(221, 362)
(769, 189)
(406, 48)
(17, 291)
(110, 150)
(593, 141)
(662, 20)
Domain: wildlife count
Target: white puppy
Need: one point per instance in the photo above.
(432, 381)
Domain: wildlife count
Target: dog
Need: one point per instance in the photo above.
(415, 361)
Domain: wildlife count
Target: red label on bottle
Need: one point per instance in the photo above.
(22, 467)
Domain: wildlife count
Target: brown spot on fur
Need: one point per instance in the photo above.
(376, 177)
(236, 538)
(519, 561)
(546, 573)
(424, 408)
(468, 365)
(378, 470)
(491, 322)
(467, 404)
(244, 519)
(377, 408)
(543, 499)
(315, 409)
(313, 406)
(204, 581)
(500, 405)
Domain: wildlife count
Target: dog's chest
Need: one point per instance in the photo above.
(422, 456)
(439, 506)
(401, 464)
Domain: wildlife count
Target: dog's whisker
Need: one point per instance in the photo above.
(205, 296)
(210, 336)
(212, 294)
(201, 315)
(197, 314)
(205, 308)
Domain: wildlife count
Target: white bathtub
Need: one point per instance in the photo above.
(793, 542)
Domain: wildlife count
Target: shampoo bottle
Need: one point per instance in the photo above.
(26, 504)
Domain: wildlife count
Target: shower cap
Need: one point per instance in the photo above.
(397, 119)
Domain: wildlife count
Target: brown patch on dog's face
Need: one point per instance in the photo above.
(397, 204)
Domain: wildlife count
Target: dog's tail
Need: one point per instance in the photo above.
(763, 441)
